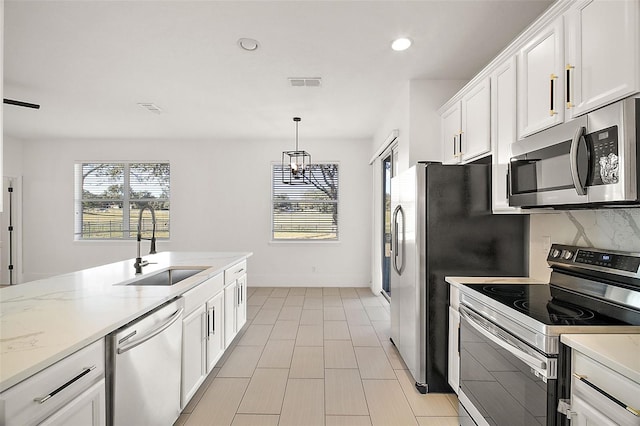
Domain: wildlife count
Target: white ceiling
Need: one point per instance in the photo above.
(88, 63)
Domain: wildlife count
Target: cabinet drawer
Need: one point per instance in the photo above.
(198, 295)
(610, 381)
(235, 272)
(32, 400)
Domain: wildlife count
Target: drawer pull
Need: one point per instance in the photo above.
(84, 372)
(584, 380)
(239, 270)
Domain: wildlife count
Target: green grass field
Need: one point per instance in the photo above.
(107, 223)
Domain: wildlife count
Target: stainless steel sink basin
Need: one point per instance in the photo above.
(168, 277)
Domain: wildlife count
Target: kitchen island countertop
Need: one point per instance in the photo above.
(43, 321)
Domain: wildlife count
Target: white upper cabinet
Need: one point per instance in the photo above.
(602, 54)
(541, 81)
(476, 131)
(503, 132)
(451, 127)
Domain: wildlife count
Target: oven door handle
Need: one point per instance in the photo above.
(484, 327)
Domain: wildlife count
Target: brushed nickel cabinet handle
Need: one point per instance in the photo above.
(45, 398)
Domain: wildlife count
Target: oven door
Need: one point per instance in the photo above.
(503, 380)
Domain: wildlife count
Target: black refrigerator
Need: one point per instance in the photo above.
(442, 225)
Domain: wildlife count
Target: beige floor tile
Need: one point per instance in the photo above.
(365, 291)
(284, 330)
(336, 330)
(383, 329)
(256, 300)
(363, 335)
(222, 398)
(188, 409)
(334, 313)
(252, 311)
(453, 399)
(357, 316)
(241, 362)
(274, 303)
(312, 317)
(307, 363)
(343, 393)
(431, 404)
(437, 421)
(348, 293)
(347, 421)
(332, 301)
(256, 335)
(312, 302)
(331, 291)
(182, 419)
(375, 313)
(293, 300)
(387, 403)
(298, 291)
(280, 292)
(373, 363)
(263, 291)
(277, 354)
(255, 420)
(290, 313)
(397, 363)
(309, 335)
(339, 354)
(265, 391)
(303, 403)
(266, 316)
(372, 300)
(348, 303)
(313, 292)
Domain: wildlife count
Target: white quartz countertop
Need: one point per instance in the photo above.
(458, 281)
(43, 321)
(620, 352)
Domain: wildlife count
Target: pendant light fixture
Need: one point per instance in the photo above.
(296, 164)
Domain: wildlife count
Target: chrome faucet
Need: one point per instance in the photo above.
(139, 262)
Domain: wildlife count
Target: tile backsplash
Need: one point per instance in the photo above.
(614, 229)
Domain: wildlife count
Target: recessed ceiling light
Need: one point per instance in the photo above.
(248, 44)
(401, 44)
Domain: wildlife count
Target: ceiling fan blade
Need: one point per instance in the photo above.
(20, 103)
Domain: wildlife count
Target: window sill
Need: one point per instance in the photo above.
(303, 242)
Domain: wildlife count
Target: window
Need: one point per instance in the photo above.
(306, 212)
(104, 210)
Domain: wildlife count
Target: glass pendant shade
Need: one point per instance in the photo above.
(296, 165)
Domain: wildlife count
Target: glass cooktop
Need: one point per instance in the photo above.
(536, 302)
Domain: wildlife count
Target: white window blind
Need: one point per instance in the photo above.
(306, 212)
(109, 196)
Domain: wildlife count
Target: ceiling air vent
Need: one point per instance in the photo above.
(305, 81)
(151, 107)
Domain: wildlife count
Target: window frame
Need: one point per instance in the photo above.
(127, 231)
(276, 175)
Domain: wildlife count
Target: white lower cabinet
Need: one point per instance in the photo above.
(70, 392)
(453, 369)
(215, 330)
(235, 300)
(230, 303)
(197, 350)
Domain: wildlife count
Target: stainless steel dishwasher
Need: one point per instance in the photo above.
(143, 381)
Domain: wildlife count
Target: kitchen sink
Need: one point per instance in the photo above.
(169, 277)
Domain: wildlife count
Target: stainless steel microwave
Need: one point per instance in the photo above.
(591, 161)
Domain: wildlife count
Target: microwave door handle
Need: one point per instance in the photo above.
(578, 138)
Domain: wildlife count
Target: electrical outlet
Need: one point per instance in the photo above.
(313, 269)
(546, 244)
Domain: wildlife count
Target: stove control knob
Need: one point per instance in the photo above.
(555, 253)
(567, 254)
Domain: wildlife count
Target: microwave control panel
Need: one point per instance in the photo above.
(605, 166)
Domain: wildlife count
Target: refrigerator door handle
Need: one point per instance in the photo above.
(398, 249)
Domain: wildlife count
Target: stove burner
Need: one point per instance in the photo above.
(504, 290)
(557, 312)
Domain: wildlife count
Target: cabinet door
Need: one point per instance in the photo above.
(215, 330)
(454, 351)
(450, 128)
(230, 304)
(503, 132)
(476, 123)
(87, 409)
(541, 81)
(193, 354)
(241, 311)
(602, 54)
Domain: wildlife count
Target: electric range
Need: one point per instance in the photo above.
(513, 367)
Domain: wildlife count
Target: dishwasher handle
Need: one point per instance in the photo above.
(152, 333)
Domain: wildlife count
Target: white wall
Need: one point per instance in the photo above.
(220, 201)
(612, 229)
